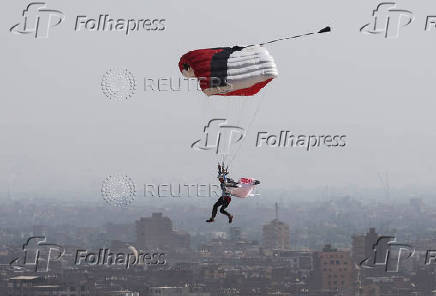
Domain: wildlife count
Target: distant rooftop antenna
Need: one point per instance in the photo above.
(385, 183)
(277, 211)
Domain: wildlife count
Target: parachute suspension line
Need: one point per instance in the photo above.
(324, 30)
(249, 127)
(241, 105)
(238, 110)
(235, 115)
(229, 115)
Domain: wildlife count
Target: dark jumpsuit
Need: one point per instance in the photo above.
(223, 201)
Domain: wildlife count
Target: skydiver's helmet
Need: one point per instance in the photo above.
(222, 172)
(222, 177)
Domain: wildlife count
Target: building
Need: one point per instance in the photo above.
(276, 234)
(156, 232)
(177, 291)
(40, 230)
(334, 270)
(362, 245)
(297, 260)
(235, 234)
(358, 249)
(38, 286)
(121, 232)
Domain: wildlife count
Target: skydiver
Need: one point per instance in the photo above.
(225, 198)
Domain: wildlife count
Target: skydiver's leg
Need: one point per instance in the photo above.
(215, 209)
(224, 212)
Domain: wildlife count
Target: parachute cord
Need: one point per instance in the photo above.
(286, 38)
(229, 115)
(324, 30)
(249, 127)
(242, 105)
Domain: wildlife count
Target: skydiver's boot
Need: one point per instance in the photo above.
(210, 220)
(230, 218)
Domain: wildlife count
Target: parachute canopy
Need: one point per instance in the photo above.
(245, 188)
(230, 71)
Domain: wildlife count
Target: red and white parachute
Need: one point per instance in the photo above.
(233, 71)
(230, 71)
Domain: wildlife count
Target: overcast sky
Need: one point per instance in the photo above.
(58, 132)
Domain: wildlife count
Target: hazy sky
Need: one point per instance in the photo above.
(58, 132)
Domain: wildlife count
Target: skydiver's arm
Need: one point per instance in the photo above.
(231, 183)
